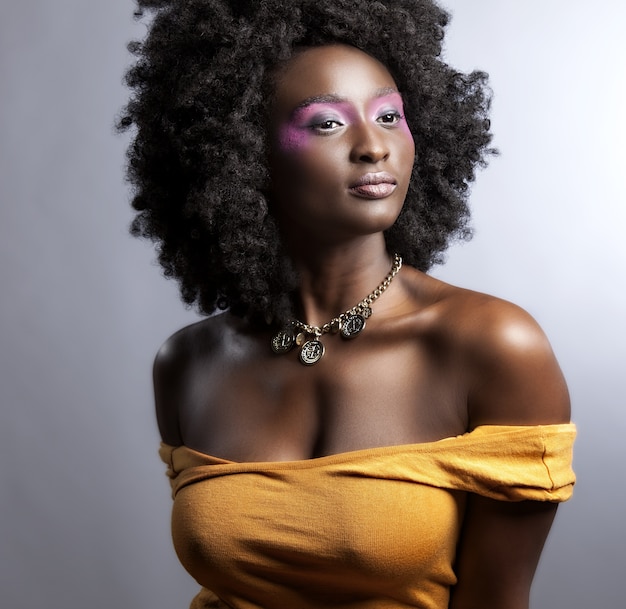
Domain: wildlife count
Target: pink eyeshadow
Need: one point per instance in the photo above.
(291, 138)
(295, 134)
(392, 101)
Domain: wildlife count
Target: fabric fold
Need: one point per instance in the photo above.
(368, 529)
(510, 463)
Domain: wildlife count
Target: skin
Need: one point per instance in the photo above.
(328, 131)
(435, 360)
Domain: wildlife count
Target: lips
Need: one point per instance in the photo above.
(374, 185)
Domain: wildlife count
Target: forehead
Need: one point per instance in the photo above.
(338, 70)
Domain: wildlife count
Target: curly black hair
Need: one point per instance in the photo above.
(198, 161)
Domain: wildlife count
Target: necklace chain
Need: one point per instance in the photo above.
(350, 323)
(332, 325)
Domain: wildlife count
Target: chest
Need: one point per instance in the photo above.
(323, 535)
(254, 405)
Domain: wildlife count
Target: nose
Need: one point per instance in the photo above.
(369, 145)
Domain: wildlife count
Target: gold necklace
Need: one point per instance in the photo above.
(349, 324)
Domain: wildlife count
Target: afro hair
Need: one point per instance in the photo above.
(198, 160)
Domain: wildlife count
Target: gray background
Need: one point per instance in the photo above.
(84, 503)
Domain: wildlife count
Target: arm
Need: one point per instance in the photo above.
(514, 380)
(167, 375)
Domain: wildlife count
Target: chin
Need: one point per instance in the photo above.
(382, 215)
(376, 223)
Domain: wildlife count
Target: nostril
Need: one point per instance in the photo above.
(369, 146)
(373, 156)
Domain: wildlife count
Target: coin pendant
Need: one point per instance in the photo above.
(311, 352)
(352, 326)
(283, 341)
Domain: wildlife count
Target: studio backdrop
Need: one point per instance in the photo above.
(84, 501)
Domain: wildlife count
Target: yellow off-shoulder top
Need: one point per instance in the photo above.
(367, 529)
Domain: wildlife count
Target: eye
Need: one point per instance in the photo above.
(390, 118)
(326, 126)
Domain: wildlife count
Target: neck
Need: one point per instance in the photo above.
(336, 279)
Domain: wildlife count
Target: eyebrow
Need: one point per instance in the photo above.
(321, 99)
(385, 91)
(333, 98)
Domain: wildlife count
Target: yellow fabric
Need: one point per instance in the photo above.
(367, 529)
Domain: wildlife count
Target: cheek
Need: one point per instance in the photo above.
(301, 158)
(407, 132)
(405, 152)
(408, 141)
(292, 139)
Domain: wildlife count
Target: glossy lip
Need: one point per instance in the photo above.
(374, 185)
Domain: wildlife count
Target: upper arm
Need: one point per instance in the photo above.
(498, 552)
(514, 376)
(515, 380)
(167, 375)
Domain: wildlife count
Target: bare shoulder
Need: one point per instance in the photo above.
(174, 366)
(513, 377)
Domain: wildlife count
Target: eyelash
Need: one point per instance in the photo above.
(396, 118)
(328, 125)
(324, 126)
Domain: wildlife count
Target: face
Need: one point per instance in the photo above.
(341, 150)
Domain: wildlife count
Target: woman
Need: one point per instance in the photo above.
(350, 431)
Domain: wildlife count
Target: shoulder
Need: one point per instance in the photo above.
(174, 366)
(511, 377)
(510, 371)
(489, 328)
(188, 343)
